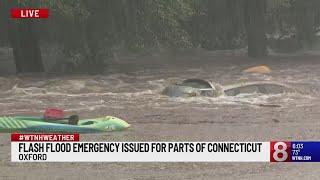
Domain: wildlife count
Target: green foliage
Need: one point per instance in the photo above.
(89, 31)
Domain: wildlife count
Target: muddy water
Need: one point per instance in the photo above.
(131, 90)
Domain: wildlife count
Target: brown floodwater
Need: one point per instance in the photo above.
(131, 89)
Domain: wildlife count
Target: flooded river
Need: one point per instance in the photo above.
(131, 89)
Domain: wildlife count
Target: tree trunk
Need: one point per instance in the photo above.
(24, 41)
(3, 24)
(255, 27)
(305, 21)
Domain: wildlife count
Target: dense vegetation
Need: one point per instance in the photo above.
(89, 31)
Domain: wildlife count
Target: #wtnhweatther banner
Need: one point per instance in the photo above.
(69, 148)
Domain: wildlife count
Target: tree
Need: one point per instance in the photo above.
(305, 17)
(255, 27)
(24, 41)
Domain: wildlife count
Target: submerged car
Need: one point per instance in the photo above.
(199, 87)
(193, 87)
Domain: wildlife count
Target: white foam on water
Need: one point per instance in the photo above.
(143, 90)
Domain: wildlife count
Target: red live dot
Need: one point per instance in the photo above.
(29, 13)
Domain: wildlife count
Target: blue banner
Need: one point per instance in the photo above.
(305, 151)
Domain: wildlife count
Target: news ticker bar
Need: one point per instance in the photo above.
(69, 148)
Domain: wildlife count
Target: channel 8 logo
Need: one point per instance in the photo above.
(280, 151)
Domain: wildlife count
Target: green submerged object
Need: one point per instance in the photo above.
(39, 124)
